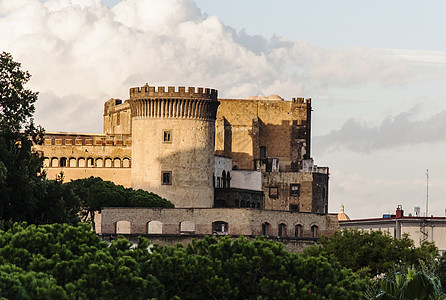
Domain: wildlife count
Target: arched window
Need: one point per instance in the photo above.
(73, 162)
(108, 162)
(63, 162)
(54, 162)
(155, 227)
(248, 204)
(81, 162)
(282, 229)
(126, 162)
(236, 203)
(265, 229)
(90, 162)
(314, 231)
(123, 227)
(187, 227)
(46, 162)
(228, 179)
(242, 203)
(220, 228)
(253, 205)
(99, 162)
(117, 163)
(224, 178)
(298, 230)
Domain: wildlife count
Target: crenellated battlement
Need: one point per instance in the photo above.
(302, 100)
(147, 91)
(195, 103)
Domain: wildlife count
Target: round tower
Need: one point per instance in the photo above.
(173, 134)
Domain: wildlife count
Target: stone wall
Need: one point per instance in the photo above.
(282, 127)
(173, 134)
(298, 191)
(117, 117)
(240, 221)
(79, 155)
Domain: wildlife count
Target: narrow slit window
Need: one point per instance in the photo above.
(166, 178)
(167, 136)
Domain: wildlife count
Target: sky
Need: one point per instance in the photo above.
(375, 70)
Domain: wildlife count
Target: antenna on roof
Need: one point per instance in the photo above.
(427, 192)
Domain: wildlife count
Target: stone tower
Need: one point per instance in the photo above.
(173, 134)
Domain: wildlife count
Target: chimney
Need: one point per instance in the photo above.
(399, 211)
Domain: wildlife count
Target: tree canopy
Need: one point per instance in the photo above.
(95, 193)
(20, 168)
(372, 253)
(25, 193)
(70, 262)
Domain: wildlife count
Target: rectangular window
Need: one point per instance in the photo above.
(167, 136)
(273, 192)
(166, 178)
(295, 189)
(262, 152)
(294, 207)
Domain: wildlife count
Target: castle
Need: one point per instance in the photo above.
(233, 166)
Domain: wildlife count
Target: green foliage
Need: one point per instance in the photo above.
(372, 253)
(16, 102)
(410, 285)
(95, 193)
(242, 269)
(61, 261)
(441, 270)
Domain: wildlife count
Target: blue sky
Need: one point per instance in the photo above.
(374, 69)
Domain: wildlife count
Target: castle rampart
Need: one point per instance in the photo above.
(160, 92)
(191, 104)
(173, 136)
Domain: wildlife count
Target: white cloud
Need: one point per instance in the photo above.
(394, 131)
(80, 47)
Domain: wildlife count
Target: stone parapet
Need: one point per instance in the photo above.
(201, 104)
(161, 92)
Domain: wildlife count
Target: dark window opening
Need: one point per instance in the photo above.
(220, 228)
(262, 152)
(63, 162)
(236, 203)
(273, 192)
(166, 178)
(265, 229)
(167, 136)
(314, 231)
(298, 231)
(295, 189)
(224, 178)
(282, 229)
(294, 207)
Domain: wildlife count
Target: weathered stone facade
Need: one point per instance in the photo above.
(81, 155)
(250, 153)
(173, 143)
(202, 221)
(272, 135)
